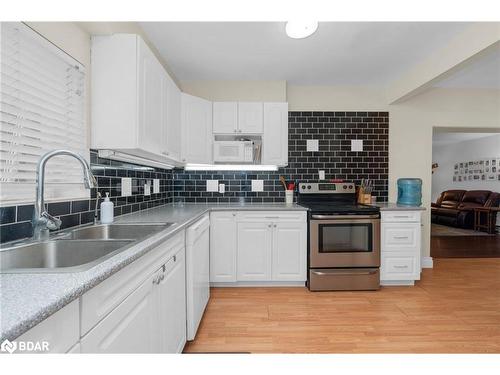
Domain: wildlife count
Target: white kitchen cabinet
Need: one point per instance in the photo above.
(131, 105)
(275, 138)
(400, 261)
(254, 251)
(60, 331)
(223, 246)
(196, 130)
(130, 327)
(171, 298)
(289, 256)
(172, 128)
(258, 247)
(225, 117)
(250, 117)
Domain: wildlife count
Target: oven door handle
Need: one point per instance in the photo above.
(344, 273)
(340, 217)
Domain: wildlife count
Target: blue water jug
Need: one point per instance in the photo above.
(410, 191)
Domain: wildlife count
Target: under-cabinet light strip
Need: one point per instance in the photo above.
(230, 167)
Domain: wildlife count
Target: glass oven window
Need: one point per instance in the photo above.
(345, 238)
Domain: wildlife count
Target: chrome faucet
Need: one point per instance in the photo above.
(42, 221)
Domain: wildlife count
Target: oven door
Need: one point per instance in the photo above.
(344, 241)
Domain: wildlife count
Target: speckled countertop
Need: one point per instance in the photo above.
(397, 207)
(27, 299)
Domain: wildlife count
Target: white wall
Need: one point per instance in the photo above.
(219, 91)
(450, 154)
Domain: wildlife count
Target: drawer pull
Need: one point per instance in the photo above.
(401, 216)
(272, 217)
(401, 237)
(400, 266)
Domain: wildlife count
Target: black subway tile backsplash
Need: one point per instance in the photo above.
(334, 130)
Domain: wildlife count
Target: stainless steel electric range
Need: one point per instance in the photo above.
(344, 238)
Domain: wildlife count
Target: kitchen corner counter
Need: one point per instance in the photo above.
(397, 207)
(27, 299)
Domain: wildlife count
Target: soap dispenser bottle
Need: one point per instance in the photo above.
(107, 210)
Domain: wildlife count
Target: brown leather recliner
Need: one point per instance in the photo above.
(456, 207)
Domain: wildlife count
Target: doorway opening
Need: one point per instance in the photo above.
(465, 213)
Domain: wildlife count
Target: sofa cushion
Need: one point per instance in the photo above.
(450, 198)
(448, 212)
(474, 198)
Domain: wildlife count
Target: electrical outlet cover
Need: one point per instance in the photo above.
(156, 186)
(257, 185)
(147, 188)
(321, 175)
(213, 185)
(356, 145)
(312, 145)
(222, 188)
(126, 186)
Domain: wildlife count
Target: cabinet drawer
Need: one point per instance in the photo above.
(101, 300)
(400, 267)
(400, 216)
(272, 216)
(400, 237)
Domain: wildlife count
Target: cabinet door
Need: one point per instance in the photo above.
(171, 298)
(289, 251)
(250, 118)
(254, 251)
(173, 121)
(275, 138)
(130, 327)
(225, 117)
(196, 130)
(223, 245)
(150, 132)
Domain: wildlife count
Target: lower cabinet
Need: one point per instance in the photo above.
(400, 261)
(254, 251)
(149, 319)
(258, 246)
(130, 327)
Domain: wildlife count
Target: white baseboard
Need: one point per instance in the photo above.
(258, 284)
(427, 262)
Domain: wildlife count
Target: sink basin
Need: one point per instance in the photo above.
(58, 256)
(116, 231)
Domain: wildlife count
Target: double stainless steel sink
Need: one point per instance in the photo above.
(75, 250)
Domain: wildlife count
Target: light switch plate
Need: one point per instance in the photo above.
(213, 185)
(126, 187)
(156, 186)
(147, 188)
(321, 175)
(356, 145)
(257, 185)
(312, 145)
(222, 188)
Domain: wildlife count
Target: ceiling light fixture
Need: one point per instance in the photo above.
(300, 29)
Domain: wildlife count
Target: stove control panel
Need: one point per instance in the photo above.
(327, 188)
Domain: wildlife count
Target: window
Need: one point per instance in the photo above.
(42, 108)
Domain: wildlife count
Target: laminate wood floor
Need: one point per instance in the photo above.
(465, 246)
(455, 308)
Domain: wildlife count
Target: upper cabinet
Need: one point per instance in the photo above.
(275, 138)
(225, 117)
(250, 118)
(238, 118)
(135, 104)
(196, 130)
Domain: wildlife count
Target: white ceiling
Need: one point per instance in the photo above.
(483, 73)
(342, 53)
(441, 139)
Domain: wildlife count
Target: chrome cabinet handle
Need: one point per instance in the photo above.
(175, 258)
(401, 237)
(272, 217)
(400, 266)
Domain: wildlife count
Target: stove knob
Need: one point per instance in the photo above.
(344, 187)
(309, 186)
(303, 186)
(350, 186)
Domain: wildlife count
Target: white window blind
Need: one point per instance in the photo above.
(42, 105)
